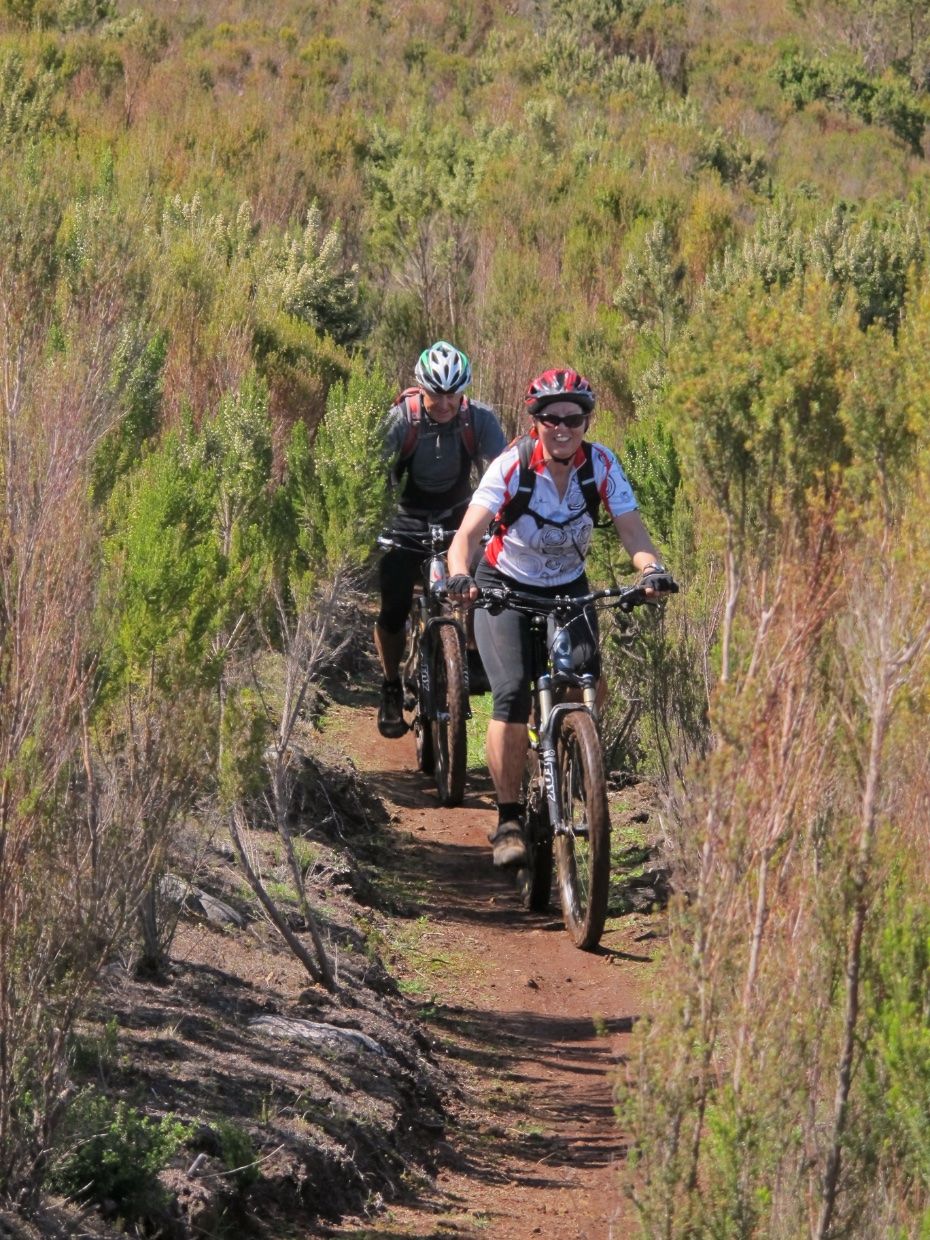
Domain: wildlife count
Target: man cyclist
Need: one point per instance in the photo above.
(433, 435)
(540, 550)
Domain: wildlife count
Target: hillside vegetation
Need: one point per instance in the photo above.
(226, 231)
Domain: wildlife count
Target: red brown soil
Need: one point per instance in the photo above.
(538, 1027)
(489, 1112)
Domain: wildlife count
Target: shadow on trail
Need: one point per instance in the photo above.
(548, 1135)
(414, 790)
(542, 1137)
(475, 894)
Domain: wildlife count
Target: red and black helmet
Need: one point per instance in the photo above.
(561, 384)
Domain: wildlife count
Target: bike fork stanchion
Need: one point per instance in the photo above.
(546, 750)
(424, 683)
(549, 764)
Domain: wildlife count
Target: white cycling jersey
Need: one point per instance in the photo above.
(550, 551)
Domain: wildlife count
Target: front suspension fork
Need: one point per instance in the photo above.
(548, 759)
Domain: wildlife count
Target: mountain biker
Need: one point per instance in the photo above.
(540, 550)
(433, 434)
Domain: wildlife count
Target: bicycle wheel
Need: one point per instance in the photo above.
(583, 855)
(534, 881)
(423, 739)
(422, 733)
(450, 711)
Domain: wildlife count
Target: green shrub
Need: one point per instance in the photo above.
(25, 101)
(890, 100)
(896, 1060)
(337, 490)
(164, 569)
(136, 379)
(113, 1154)
(237, 1151)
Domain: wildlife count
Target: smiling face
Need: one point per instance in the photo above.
(441, 406)
(561, 441)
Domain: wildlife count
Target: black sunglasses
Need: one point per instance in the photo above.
(571, 420)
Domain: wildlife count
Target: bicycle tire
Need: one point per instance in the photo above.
(450, 709)
(422, 734)
(534, 880)
(583, 856)
(423, 740)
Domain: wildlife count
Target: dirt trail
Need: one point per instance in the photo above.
(536, 1026)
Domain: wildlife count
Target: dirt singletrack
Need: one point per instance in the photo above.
(536, 1028)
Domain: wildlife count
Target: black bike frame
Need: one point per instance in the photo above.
(432, 618)
(549, 713)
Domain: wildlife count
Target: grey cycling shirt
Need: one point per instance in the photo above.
(435, 467)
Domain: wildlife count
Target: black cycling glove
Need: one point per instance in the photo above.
(659, 578)
(461, 583)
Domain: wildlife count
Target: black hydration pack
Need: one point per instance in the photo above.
(519, 502)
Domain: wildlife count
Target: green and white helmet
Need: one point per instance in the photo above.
(443, 369)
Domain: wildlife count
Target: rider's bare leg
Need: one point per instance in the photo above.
(506, 754)
(506, 751)
(390, 648)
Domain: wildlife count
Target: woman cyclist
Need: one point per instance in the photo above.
(538, 546)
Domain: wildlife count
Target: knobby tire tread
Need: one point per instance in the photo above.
(449, 739)
(534, 881)
(422, 731)
(583, 865)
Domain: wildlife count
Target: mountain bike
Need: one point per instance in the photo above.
(434, 671)
(566, 816)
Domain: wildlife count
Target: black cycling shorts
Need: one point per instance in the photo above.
(400, 569)
(398, 574)
(506, 646)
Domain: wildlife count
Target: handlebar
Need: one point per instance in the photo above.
(437, 538)
(500, 598)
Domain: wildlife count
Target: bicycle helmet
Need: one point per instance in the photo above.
(553, 385)
(443, 369)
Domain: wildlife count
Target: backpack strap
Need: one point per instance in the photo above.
(412, 405)
(467, 426)
(514, 508)
(409, 401)
(588, 483)
(519, 502)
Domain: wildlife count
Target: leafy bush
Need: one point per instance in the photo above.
(237, 1151)
(113, 1153)
(337, 491)
(164, 570)
(305, 276)
(25, 100)
(137, 378)
(896, 1066)
(299, 366)
(60, 14)
(890, 100)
